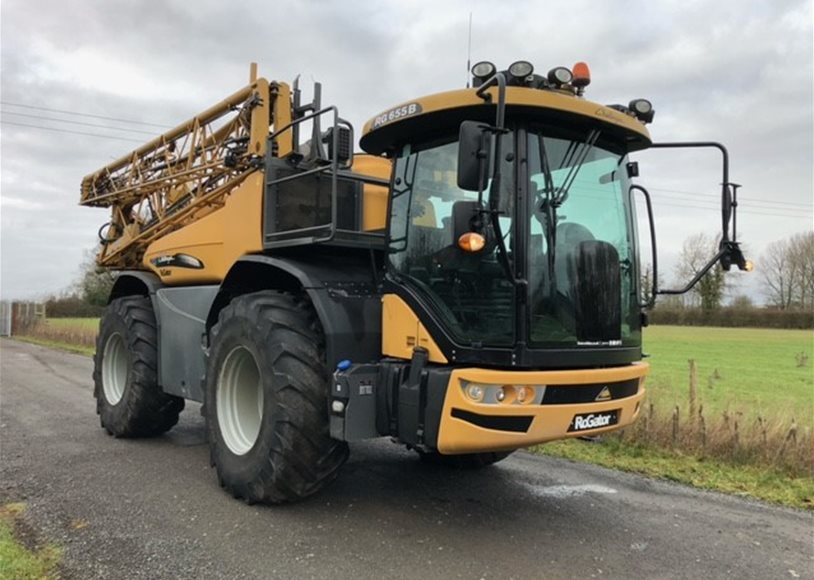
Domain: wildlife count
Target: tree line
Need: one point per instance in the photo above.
(786, 270)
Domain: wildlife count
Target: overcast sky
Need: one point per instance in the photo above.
(737, 72)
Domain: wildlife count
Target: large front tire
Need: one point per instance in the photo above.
(129, 401)
(266, 406)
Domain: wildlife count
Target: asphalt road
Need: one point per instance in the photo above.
(153, 508)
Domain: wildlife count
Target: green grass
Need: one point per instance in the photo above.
(71, 323)
(746, 369)
(16, 560)
(758, 482)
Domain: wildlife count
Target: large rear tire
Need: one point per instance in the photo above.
(266, 406)
(464, 461)
(129, 401)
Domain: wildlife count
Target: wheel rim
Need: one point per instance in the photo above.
(114, 368)
(239, 400)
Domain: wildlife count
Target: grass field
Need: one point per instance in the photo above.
(752, 370)
(75, 323)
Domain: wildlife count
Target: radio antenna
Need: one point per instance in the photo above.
(469, 51)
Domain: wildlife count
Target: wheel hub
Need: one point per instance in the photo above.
(114, 368)
(239, 395)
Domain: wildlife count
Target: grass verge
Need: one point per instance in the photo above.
(75, 348)
(19, 561)
(765, 483)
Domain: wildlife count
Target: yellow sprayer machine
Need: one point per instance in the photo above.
(469, 286)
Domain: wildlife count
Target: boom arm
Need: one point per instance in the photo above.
(187, 172)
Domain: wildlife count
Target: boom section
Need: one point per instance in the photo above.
(187, 172)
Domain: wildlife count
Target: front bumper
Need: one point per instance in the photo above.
(467, 426)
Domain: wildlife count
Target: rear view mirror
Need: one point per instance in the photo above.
(474, 144)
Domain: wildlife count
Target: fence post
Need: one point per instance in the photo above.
(651, 413)
(735, 437)
(790, 436)
(675, 425)
(693, 393)
(702, 428)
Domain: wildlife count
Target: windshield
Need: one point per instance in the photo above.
(469, 291)
(581, 251)
(579, 257)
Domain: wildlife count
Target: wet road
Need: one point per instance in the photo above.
(153, 508)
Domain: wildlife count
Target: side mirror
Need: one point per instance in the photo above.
(474, 144)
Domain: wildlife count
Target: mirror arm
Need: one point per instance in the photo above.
(728, 190)
(654, 290)
(700, 274)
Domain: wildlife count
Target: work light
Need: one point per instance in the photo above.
(481, 71)
(521, 69)
(643, 109)
(559, 76)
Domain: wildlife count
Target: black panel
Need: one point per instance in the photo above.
(518, 424)
(519, 357)
(574, 394)
(305, 202)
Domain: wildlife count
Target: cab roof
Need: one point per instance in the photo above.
(443, 112)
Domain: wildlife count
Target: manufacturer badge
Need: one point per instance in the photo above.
(604, 395)
(588, 421)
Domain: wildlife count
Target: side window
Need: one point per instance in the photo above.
(436, 189)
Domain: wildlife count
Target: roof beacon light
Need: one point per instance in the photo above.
(643, 109)
(521, 69)
(582, 77)
(481, 71)
(559, 76)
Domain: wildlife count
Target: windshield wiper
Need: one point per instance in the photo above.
(578, 154)
(574, 156)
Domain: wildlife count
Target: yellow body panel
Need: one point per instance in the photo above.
(374, 208)
(281, 115)
(217, 240)
(402, 331)
(515, 96)
(221, 236)
(549, 422)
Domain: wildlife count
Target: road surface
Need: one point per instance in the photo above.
(153, 508)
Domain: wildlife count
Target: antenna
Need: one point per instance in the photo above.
(469, 51)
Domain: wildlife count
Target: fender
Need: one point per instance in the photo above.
(343, 291)
(134, 283)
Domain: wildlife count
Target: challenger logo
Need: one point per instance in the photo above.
(587, 421)
(604, 395)
(177, 261)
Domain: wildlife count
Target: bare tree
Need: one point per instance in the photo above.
(787, 269)
(801, 254)
(695, 253)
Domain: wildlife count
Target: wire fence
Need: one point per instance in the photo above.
(19, 317)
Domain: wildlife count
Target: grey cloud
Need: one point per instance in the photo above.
(739, 72)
